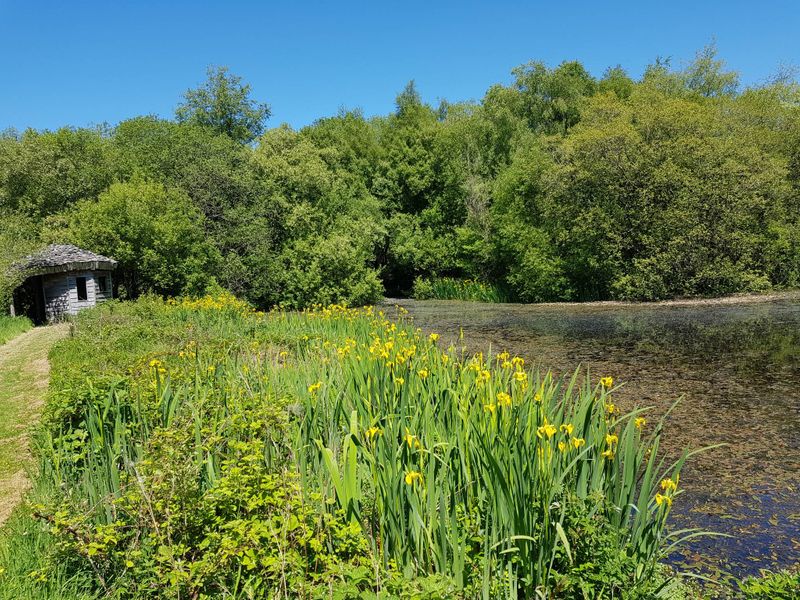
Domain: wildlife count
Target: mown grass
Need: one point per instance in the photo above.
(448, 288)
(11, 327)
(200, 449)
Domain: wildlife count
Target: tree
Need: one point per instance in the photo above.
(18, 237)
(655, 198)
(323, 249)
(211, 168)
(223, 104)
(43, 173)
(616, 80)
(155, 233)
(552, 98)
(705, 75)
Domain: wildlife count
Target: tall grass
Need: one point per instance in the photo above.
(448, 288)
(434, 462)
(11, 327)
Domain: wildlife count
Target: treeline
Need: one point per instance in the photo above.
(559, 186)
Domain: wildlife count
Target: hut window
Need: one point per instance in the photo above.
(102, 283)
(80, 282)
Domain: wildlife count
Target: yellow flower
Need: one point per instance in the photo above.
(314, 388)
(490, 408)
(520, 376)
(411, 440)
(372, 432)
(433, 337)
(611, 408)
(413, 476)
(484, 376)
(578, 442)
(663, 500)
(423, 373)
(609, 454)
(155, 363)
(408, 438)
(546, 430)
(668, 485)
(567, 428)
(503, 399)
(537, 397)
(640, 422)
(445, 358)
(562, 445)
(399, 380)
(506, 365)
(611, 439)
(503, 356)
(518, 362)
(607, 382)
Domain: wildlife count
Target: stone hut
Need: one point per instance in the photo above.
(61, 280)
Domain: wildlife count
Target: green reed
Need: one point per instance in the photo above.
(449, 288)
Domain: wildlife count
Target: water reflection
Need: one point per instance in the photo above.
(737, 368)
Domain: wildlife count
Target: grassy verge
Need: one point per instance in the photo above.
(448, 288)
(202, 450)
(11, 327)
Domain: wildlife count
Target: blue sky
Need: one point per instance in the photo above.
(81, 63)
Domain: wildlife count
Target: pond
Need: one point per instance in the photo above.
(735, 364)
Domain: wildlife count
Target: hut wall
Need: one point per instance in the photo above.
(56, 295)
(61, 292)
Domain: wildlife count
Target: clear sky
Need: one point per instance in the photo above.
(81, 63)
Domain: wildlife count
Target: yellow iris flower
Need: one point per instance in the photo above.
(412, 477)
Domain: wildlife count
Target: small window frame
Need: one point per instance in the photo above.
(102, 283)
(81, 289)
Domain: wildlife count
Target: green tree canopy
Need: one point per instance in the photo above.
(223, 103)
(155, 233)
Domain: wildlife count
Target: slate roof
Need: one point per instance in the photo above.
(59, 258)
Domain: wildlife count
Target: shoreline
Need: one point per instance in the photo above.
(734, 299)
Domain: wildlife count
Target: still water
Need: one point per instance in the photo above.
(735, 366)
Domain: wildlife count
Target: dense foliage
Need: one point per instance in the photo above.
(559, 186)
(200, 449)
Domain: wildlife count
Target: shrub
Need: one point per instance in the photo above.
(155, 233)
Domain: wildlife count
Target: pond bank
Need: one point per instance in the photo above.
(719, 300)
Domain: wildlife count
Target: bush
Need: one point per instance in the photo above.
(155, 233)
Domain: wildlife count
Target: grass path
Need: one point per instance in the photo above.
(24, 374)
